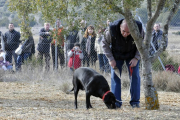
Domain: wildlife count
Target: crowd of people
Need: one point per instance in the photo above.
(89, 39)
(84, 37)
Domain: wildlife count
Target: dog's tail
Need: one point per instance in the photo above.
(69, 91)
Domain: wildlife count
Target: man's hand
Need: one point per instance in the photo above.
(133, 62)
(113, 63)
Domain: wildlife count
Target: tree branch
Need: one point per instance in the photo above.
(149, 10)
(166, 28)
(133, 28)
(114, 8)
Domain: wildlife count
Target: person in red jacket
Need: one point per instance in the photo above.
(76, 56)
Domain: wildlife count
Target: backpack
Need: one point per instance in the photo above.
(170, 68)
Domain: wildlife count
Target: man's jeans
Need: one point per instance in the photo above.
(135, 83)
(21, 58)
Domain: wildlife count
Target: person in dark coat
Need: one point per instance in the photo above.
(43, 48)
(72, 37)
(11, 40)
(157, 35)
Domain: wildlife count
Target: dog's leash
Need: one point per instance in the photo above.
(130, 77)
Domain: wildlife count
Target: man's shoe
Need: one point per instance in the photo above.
(135, 106)
(118, 105)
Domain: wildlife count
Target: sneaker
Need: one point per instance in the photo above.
(135, 106)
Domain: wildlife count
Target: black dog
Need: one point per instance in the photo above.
(93, 83)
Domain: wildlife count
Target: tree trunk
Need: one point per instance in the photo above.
(151, 95)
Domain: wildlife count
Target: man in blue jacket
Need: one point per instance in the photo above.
(44, 45)
(119, 47)
(11, 40)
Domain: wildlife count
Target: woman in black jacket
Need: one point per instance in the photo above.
(87, 46)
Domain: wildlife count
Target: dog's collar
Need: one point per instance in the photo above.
(105, 94)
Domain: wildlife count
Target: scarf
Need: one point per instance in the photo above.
(88, 45)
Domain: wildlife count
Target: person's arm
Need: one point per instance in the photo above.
(70, 53)
(43, 33)
(81, 56)
(106, 42)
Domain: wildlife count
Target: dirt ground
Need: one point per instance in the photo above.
(45, 100)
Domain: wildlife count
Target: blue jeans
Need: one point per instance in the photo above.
(21, 58)
(103, 63)
(135, 83)
(106, 64)
(10, 67)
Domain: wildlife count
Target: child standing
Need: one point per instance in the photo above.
(76, 56)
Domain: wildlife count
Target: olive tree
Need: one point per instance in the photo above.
(23, 8)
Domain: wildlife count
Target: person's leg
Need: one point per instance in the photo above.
(135, 84)
(53, 55)
(47, 60)
(116, 81)
(15, 57)
(88, 59)
(26, 56)
(9, 67)
(9, 56)
(101, 62)
(107, 67)
(61, 56)
(40, 59)
(19, 62)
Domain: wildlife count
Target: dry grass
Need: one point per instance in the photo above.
(40, 95)
(167, 81)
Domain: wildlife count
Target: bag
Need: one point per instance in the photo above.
(170, 68)
(18, 51)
